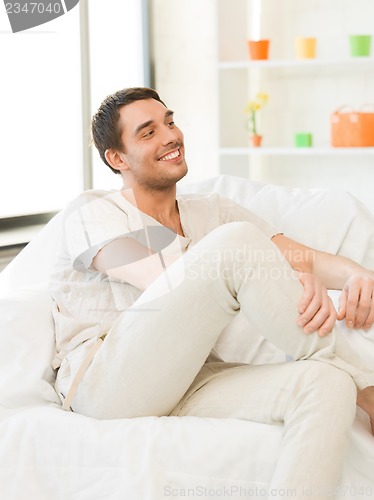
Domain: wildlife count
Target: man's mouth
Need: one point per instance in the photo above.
(171, 155)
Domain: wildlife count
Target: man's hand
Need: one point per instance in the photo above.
(316, 309)
(356, 302)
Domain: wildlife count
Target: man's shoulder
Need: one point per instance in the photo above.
(213, 200)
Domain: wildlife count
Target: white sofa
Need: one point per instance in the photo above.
(49, 454)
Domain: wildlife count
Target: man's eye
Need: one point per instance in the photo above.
(149, 133)
(171, 124)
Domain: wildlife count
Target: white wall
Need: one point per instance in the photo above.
(185, 51)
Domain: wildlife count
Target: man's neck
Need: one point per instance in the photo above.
(161, 205)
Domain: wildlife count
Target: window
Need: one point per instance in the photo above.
(48, 92)
(40, 102)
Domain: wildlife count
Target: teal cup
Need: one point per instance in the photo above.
(303, 140)
(360, 45)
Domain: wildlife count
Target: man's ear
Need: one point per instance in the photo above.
(116, 159)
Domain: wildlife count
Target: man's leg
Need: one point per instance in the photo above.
(152, 354)
(314, 401)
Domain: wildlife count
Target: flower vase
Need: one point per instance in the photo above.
(256, 140)
(258, 49)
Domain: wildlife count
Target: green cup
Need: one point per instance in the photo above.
(360, 45)
(303, 140)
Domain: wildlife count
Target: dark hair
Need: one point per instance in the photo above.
(106, 132)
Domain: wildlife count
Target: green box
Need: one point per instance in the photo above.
(360, 45)
(303, 140)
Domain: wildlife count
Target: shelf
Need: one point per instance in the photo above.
(296, 151)
(302, 63)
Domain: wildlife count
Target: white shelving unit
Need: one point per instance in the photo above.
(302, 94)
(358, 63)
(298, 151)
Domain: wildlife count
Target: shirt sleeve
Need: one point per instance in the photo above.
(231, 211)
(90, 222)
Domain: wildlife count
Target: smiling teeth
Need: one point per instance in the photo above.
(171, 156)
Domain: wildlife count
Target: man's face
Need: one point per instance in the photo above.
(153, 144)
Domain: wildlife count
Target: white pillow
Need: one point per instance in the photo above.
(27, 347)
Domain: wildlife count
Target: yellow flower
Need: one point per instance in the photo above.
(252, 107)
(261, 96)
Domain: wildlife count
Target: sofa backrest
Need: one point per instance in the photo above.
(329, 220)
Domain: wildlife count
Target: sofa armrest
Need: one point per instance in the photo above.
(27, 348)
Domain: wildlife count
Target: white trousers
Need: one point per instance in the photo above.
(152, 362)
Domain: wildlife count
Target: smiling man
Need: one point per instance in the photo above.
(146, 281)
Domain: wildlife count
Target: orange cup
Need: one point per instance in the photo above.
(258, 49)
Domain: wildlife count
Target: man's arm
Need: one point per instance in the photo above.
(336, 272)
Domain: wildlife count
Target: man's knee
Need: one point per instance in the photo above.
(328, 381)
(239, 230)
(244, 239)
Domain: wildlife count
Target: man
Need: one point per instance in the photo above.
(145, 282)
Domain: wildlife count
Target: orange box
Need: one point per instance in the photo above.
(352, 129)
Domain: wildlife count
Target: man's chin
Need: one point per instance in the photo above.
(183, 174)
(166, 182)
(175, 179)
(179, 173)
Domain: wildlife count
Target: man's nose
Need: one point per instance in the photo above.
(170, 134)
